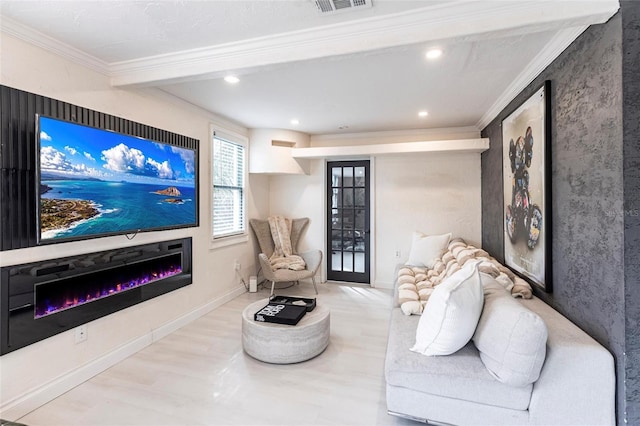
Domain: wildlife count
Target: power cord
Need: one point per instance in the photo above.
(261, 283)
(244, 283)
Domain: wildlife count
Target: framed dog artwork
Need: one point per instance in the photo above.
(526, 141)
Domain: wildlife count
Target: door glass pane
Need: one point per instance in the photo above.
(347, 176)
(360, 219)
(360, 197)
(347, 259)
(336, 261)
(348, 197)
(336, 220)
(359, 178)
(336, 198)
(347, 240)
(359, 240)
(336, 240)
(358, 262)
(347, 218)
(336, 176)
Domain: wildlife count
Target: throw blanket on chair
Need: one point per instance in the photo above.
(283, 257)
(415, 284)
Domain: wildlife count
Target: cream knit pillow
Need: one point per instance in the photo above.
(426, 249)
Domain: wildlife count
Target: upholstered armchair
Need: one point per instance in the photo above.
(312, 258)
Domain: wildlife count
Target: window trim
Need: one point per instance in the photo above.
(235, 237)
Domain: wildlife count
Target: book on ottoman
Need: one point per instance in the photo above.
(280, 313)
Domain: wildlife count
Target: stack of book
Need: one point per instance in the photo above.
(285, 310)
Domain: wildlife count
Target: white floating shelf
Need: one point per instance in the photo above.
(459, 145)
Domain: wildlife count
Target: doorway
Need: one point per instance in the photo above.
(348, 231)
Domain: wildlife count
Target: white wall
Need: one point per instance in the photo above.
(33, 374)
(302, 196)
(269, 158)
(432, 193)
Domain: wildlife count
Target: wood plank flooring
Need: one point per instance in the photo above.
(199, 375)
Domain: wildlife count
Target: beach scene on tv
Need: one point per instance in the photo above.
(96, 182)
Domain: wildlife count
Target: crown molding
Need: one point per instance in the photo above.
(28, 34)
(561, 40)
(459, 19)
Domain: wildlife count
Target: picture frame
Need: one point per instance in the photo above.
(526, 142)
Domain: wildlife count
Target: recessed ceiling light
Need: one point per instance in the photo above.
(434, 53)
(232, 79)
(423, 114)
(295, 122)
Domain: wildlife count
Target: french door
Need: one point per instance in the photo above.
(348, 242)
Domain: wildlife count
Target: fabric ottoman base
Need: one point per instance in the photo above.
(285, 344)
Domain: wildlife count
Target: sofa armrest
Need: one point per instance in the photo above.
(577, 381)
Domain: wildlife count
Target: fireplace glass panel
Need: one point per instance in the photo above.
(62, 294)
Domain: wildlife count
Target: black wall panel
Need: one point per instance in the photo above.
(18, 156)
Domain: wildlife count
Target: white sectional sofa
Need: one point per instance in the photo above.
(576, 384)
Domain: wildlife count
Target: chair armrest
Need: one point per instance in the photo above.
(313, 259)
(265, 265)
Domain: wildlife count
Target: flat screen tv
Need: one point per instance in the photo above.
(94, 182)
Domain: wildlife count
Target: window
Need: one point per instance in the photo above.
(228, 187)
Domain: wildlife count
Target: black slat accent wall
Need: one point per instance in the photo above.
(18, 156)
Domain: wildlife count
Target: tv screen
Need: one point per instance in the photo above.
(95, 182)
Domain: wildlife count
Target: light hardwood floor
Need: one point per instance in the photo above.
(199, 375)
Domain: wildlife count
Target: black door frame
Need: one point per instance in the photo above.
(352, 236)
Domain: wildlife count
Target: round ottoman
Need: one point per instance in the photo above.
(285, 344)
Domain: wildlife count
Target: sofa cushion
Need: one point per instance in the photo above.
(426, 249)
(511, 339)
(460, 376)
(451, 314)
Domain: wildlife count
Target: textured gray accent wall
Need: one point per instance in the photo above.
(631, 119)
(587, 234)
(492, 191)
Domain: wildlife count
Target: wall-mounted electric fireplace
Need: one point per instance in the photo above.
(41, 299)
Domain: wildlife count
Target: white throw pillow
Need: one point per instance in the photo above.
(451, 313)
(511, 339)
(426, 249)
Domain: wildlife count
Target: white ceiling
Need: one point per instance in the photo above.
(358, 71)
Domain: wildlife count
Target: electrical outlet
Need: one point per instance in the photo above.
(398, 254)
(236, 266)
(81, 333)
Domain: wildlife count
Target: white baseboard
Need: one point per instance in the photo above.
(20, 406)
(383, 284)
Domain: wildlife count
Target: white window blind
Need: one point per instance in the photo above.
(228, 188)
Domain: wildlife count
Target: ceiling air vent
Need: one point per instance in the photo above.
(333, 6)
